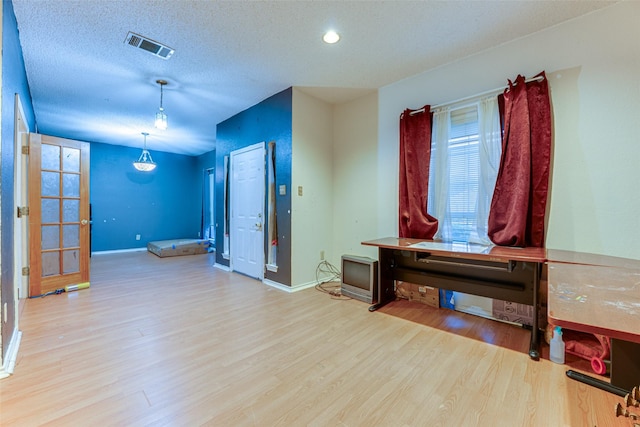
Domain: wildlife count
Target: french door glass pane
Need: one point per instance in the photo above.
(50, 237)
(70, 159)
(50, 263)
(50, 211)
(71, 185)
(50, 157)
(70, 210)
(50, 184)
(70, 261)
(70, 236)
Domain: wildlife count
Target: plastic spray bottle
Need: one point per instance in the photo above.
(556, 353)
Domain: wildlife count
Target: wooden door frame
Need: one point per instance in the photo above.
(21, 198)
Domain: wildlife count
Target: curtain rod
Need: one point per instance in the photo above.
(487, 92)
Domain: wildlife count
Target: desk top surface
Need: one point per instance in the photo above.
(462, 250)
(586, 292)
(572, 257)
(599, 299)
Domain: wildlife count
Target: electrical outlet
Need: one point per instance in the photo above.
(321, 255)
(137, 237)
(299, 190)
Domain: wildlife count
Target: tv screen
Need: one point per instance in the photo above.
(359, 278)
(357, 274)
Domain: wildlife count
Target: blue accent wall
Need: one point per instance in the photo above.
(206, 160)
(270, 120)
(14, 81)
(159, 205)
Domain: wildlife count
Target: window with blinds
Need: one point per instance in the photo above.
(464, 170)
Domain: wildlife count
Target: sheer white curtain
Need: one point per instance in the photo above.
(439, 173)
(490, 149)
(465, 157)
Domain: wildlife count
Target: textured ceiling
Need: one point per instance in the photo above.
(87, 84)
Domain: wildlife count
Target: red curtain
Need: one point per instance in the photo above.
(415, 157)
(519, 200)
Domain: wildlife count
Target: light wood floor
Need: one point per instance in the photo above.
(177, 342)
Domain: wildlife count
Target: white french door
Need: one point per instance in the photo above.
(246, 191)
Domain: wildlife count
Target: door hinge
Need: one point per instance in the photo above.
(26, 271)
(25, 149)
(23, 211)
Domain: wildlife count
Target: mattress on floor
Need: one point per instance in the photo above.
(177, 247)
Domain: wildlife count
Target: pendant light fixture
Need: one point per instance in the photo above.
(161, 117)
(145, 163)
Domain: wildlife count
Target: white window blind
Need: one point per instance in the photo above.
(463, 171)
(457, 221)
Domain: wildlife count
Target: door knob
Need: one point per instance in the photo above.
(258, 226)
(84, 222)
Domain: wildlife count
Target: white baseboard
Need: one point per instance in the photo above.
(119, 251)
(289, 289)
(9, 361)
(222, 267)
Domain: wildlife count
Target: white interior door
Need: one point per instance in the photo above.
(246, 191)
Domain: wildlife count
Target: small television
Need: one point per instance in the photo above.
(359, 278)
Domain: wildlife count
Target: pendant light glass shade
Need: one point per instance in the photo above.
(161, 119)
(145, 163)
(161, 116)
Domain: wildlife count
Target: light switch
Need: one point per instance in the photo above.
(299, 190)
(283, 190)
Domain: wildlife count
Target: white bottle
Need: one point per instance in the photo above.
(556, 354)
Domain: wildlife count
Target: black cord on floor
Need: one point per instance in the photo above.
(56, 292)
(325, 268)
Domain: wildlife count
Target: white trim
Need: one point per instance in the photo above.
(222, 267)
(12, 355)
(288, 289)
(272, 267)
(119, 251)
(21, 198)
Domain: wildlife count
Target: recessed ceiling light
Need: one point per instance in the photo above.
(331, 37)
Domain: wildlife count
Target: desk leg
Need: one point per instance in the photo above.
(386, 290)
(534, 346)
(625, 364)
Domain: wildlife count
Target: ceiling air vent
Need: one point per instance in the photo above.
(151, 46)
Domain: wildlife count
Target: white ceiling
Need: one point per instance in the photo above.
(87, 84)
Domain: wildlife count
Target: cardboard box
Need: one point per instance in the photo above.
(166, 248)
(420, 293)
(513, 312)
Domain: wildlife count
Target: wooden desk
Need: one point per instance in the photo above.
(510, 274)
(599, 295)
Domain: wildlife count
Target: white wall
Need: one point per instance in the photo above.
(311, 213)
(355, 189)
(593, 66)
